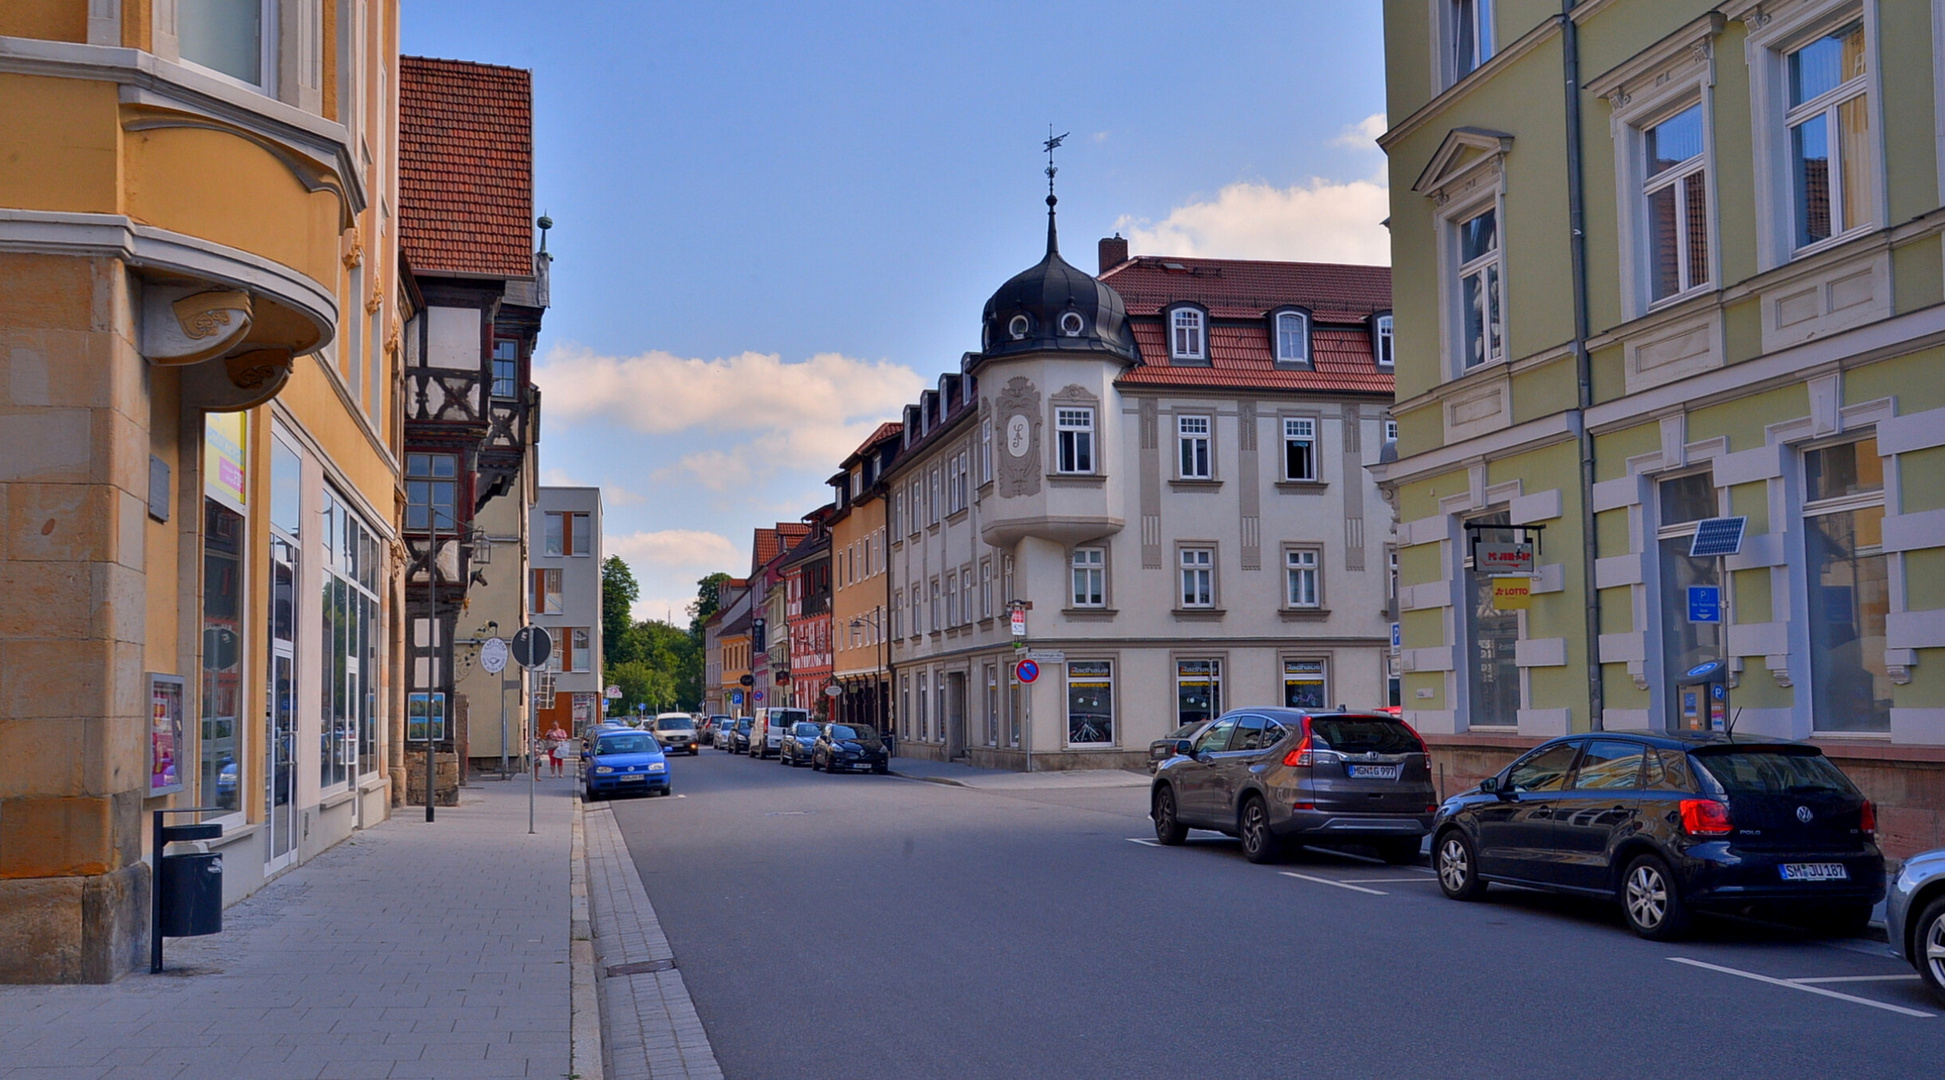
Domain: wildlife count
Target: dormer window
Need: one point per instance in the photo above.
(1071, 324)
(1381, 349)
(1186, 338)
(1017, 327)
(1292, 330)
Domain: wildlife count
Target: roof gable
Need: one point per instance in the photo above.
(465, 185)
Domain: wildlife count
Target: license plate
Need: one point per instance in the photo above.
(636, 777)
(1374, 772)
(1814, 871)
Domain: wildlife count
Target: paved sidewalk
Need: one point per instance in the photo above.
(409, 950)
(649, 1024)
(952, 772)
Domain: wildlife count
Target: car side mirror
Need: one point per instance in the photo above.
(1490, 785)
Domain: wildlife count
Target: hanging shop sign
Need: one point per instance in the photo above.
(1492, 558)
(1512, 593)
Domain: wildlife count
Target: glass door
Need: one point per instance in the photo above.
(280, 735)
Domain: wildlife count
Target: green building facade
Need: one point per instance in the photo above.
(1654, 262)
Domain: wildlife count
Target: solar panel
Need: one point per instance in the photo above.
(1718, 536)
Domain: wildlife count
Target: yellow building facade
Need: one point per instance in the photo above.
(1657, 263)
(198, 450)
(861, 584)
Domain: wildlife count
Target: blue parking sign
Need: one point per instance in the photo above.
(1704, 604)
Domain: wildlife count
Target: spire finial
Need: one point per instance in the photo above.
(1053, 142)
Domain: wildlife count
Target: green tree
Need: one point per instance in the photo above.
(619, 591)
(708, 601)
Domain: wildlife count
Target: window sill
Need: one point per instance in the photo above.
(1089, 613)
(1189, 361)
(1076, 480)
(986, 623)
(1195, 485)
(1302, 487)
(932, 529)
(1203, 614)
(336, 798)
(958, 516)
(1311, 614)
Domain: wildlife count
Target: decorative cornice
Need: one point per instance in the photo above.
(1696, 35)
(1501, 60)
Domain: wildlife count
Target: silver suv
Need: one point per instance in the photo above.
(1914, 917)
(676, 731)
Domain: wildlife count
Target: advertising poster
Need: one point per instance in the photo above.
(165, 733)
(224, 437)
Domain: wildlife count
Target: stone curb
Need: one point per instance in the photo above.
(585, 1055)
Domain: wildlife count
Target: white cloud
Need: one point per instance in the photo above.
(611, 494)
(1318, 222)
(677, 550)
(1362, 135)
(813, 412)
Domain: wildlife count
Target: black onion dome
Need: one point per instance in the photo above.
(1055, 307)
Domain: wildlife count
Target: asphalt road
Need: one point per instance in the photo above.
(877, 927)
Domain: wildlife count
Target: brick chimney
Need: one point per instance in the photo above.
(1114, 252)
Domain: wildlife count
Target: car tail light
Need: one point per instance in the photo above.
(1302, 753)
(1422, 748)
(1867, 822)
(1303, 806)
(1705, 817)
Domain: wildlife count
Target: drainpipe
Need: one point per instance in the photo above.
(1583, 361)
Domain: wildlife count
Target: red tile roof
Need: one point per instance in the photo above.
(890, 429)
(773, 542)
(1239, 295)
(465, 167)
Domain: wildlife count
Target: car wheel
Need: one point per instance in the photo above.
(1398, 852)
(1928, 947)
(1457, 863)
(1652, 901)
(1168, 829)
(590, 796)
(1260, 845)
(880, 770)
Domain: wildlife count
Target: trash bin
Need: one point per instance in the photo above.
(192, 894)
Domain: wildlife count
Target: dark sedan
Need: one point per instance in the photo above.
(1667, 825)
(844, 747)
(1280, 777)
(795, 749)
(736, 737)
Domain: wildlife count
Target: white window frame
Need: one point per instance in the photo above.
(1281, 342)
(1074, 449)
(1390, 430)
(1384, 348)
(985, 451)
(1853, 502)
(1194, 446)
(1490, 268)
(1447, 62)
(986, 588)
(1675, 179)
(1196, 577)
(1768, 49)
(1088, 577)
(1303, 577)
(1300, 430)
(269, 46)
(1188, 334)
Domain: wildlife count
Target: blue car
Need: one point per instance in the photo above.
(623, 761)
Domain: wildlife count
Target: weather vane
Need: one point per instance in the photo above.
(1053, 141)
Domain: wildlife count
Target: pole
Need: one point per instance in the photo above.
(533, 773)
(432, 634)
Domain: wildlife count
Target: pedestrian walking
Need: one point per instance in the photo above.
(556, 747)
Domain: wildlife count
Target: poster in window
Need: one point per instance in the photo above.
(224, 437)
(165, 733)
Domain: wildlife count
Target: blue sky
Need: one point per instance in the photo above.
(775, 223)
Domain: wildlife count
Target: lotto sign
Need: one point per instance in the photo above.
(1512, 593)
(1027, 671)
(1019, 623)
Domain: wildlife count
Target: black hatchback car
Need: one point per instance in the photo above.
(844, 747)
(1671, 824)
(1279, 777)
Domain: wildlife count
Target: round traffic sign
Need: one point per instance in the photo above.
(1027, 671)
(532, 645)
(493, 655)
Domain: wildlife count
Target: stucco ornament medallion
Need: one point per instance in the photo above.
(186, 326)
(1019, 420)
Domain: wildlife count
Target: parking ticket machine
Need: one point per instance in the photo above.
(1702, 697)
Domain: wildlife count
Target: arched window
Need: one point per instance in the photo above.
(1017, 327)
(1071, 324)
(1186, 339)
(1292, 337)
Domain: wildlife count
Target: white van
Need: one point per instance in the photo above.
(766, 734)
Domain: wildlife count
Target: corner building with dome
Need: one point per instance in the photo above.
(1162, 467)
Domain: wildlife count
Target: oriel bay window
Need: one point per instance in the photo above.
(506, 369)
(1830, 135)
(1090, 702)
(431, 487)
(235, 37)
(1192, 440)
(1074, 433)
(1849, 582)
(1676, 191)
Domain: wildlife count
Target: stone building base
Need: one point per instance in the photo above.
(84, 929)
(445, 789)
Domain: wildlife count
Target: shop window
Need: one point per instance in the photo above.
(1303, 684)
(1090, 702)
(1198, 691)
(1849, 582)
(1683, 501)
(1492, 635)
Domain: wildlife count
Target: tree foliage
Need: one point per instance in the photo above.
(656, 664)
(619, 591)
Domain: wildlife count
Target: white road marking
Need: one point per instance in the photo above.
(1339, 884)
(1859, 978)
(1140, 840)
(1799, 984)
(1386, 880)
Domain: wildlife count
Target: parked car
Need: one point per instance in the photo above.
(766, 735)
(736, 738)
(1914, 917)
(1671, 824)
(850, 746)
(1280, 777)
(795, 747)
(677, 733)
(1170, 744)
(623, 762)
(710, 727)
